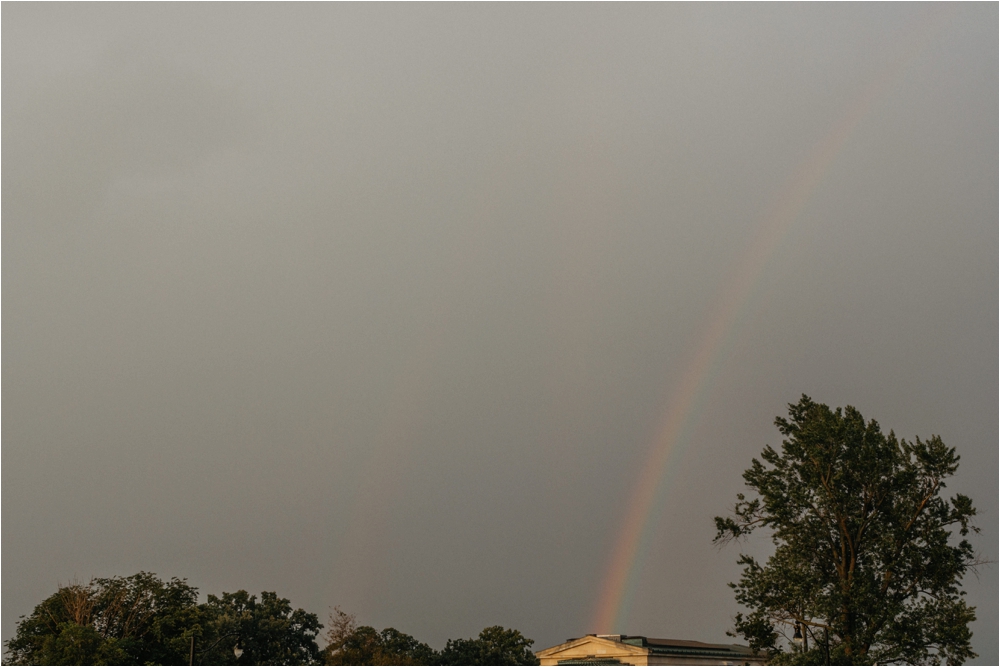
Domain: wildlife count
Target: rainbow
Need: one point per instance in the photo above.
(684, 401)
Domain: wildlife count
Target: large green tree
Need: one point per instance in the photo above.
(367, 646)
(268, 631)
(119, 620)
(350, 644)
(142, 620)
(866, 566)
(495, 645)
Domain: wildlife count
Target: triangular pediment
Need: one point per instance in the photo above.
(597, 647)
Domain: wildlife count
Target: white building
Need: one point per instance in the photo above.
(635, 650)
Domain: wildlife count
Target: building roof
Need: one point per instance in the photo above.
(600, 649)
(682, 646)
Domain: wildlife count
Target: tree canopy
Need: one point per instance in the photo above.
(495, 646)
(269, 631)
(866, 565)
(142, 620)
(367, 646)
(119, 620)
(350, 644)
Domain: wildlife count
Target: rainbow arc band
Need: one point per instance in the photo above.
(679, 416)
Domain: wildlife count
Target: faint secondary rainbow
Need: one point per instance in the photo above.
(690, 391)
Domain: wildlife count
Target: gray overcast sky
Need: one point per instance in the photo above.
(381, 306)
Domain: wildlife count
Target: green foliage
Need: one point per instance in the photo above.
(121, 620)
(865, 558)
(142, 620)
(269, 631)
(72, 644)
(367, 646)
(152, 619)
(495, 646)
(408, 649)
(350, 644)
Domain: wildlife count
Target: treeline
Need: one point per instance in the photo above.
(143, 620)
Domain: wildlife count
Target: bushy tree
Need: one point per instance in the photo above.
(142, 620)
(495, 646)
(268, 631)
(72, 644)
(349, 644)
(120, 620)
(368, 646)
(866, 565)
